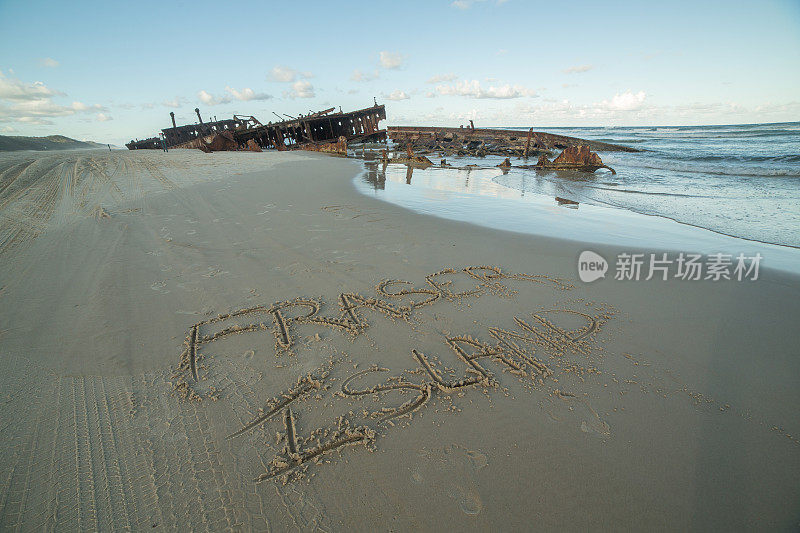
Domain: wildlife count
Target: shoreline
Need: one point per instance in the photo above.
(692, 237)
(624, 405)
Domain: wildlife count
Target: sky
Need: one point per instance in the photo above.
(112, 71)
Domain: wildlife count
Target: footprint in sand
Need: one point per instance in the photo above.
(477, 459)
(160, 286)
(213, 272)
(596, 425)
(458, 465)
(469, 501)
(592, 423)
(417, 467)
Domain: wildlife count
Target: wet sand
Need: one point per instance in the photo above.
(242, 341)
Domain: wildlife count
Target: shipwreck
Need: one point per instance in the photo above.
(485, 141)
(329, 131)
(325, 131)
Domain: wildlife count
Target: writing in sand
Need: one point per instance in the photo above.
(523, 348)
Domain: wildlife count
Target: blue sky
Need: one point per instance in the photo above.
(111, 71)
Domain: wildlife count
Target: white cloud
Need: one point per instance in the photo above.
(8, 129)
(391, 60)
(206, 98)
(464, 4)
(473, 89)
(439, 78)
(36, 121)
(14, 89)
(210, 99)
(626, 101)
(398, 95)
(790, 109)
(365, 76)
(300, 89)
(48, 62)
(175, 102)
(102, 117)
(577, 69)
(247, 94)
(32, 103)
(284, 74)
(80, 107)
(625, 107)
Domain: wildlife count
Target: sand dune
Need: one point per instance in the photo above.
(241, 341)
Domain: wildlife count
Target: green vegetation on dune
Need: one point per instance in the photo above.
(51, 142)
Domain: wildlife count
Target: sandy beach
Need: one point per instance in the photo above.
(243, 341)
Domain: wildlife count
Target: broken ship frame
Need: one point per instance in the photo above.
(309, 132)
(328, 131)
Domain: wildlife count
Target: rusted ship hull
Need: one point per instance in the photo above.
(491, 141)
(322, 132)
(153, 143)
(179, 136)
(355, 126)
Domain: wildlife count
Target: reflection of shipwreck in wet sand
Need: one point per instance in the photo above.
(324, 131)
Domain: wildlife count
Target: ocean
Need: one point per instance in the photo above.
(741, 181)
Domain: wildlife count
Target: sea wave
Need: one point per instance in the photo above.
(786, 158)
(739, 171)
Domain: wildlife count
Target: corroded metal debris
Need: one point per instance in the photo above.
(483, 141)
(331, 132)
(338, 146)
(321, 127)
(179, 135)
(219, 142)
(322, 131)
(567, 202)
(572, 158)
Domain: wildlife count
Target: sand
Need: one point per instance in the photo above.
(242, 341)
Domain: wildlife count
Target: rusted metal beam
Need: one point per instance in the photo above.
(339, 146)
(321, 113)
(322, 126)
(528, 142)
(430, 137)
